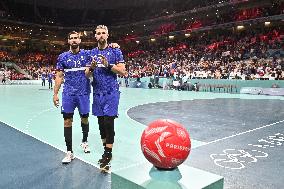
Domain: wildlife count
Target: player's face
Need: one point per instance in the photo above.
(101, 35)
(74, 41)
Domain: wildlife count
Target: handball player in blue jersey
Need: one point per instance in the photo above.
(50, 76)
(71, 67)
(106, 64)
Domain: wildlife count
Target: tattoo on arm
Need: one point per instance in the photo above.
(58, 81)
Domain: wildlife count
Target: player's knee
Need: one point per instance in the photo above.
(102, 127)
(109, 128)
(85, 125)
(68, 122)
(84, 120)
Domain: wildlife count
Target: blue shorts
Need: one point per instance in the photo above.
(106, 104)
(69, 103)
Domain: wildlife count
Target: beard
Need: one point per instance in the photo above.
(74, 46)
(102, 41)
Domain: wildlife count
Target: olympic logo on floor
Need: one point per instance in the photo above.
(239, 159)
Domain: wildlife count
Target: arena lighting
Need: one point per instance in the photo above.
(240, 27)
(152, 40)
(171, 37)
(187, 35)
(267, 23)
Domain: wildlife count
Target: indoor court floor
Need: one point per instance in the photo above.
(239, 137)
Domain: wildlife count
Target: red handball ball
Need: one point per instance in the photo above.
(165, 143)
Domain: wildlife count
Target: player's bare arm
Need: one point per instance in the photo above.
(58, 81)
(117, 68)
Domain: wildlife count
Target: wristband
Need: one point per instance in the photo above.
(91, 69)
(109, 66)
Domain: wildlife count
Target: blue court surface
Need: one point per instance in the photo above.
(239, 137)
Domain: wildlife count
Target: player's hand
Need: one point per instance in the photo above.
(114, 45)
(104, 60)
(94, 63)
(125, 74)
(55, 100)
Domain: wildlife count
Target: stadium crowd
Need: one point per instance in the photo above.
(244, 55)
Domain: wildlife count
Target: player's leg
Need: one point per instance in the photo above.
(83, 104)
(110, 112)
(102, 134)
(68, 120)
(109, 135)
(67, 110)
(97, 110)
(85, 131)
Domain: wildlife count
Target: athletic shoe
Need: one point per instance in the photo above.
(68, 158)
(85, 147)
(105, 162)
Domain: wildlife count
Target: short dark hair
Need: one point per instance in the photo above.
(72, 32)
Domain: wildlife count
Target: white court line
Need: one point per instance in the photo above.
(242, 133)
(51, 145)
(34, 117)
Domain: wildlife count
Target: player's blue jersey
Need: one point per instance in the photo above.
(104, 79)
(43, 76)
(73, 66)
(50, 77)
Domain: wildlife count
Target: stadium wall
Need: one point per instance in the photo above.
(221, 82)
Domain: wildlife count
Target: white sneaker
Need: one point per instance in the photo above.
(68, 158)
(85, 147)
